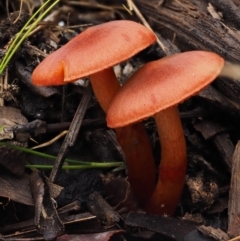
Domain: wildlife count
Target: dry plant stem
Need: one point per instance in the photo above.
(146, 24)
(71, 135)
(133, 139)
(173, 163)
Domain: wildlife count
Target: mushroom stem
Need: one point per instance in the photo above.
(140, 162)
(105, 85)
(133, 139)
(172, 168)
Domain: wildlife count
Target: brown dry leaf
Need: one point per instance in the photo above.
(13, 160)
(123, 200)
(105, 236)
(16, 188)
(9, 117)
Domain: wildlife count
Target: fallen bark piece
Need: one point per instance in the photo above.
(177, 229)
(102, 209)
(220, 137)
(215, 233)
(231, 12)
(199, 30)
(234, 196)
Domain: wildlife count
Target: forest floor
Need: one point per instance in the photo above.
(39, 201)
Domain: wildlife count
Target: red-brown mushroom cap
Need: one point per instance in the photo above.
(95, 49)
(161, 84)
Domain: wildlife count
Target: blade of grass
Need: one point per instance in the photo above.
(70, 161)
(19, 39)
(18, 35)
(75, 167)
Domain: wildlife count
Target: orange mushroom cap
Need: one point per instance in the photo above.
(161, 84)
(95, 49)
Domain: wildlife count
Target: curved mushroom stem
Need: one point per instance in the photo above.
(133, 139)
(105, 85)
(172, 168)
(140, 162)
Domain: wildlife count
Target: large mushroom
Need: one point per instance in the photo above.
(155, 90)
(93, 53)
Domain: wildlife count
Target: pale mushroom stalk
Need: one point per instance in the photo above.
(133, 139)
(173, 163)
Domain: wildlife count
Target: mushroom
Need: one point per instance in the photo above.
(93, 53)
(155, 90)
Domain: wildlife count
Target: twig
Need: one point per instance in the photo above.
(3, 86)
(132, 5)
(72, 134)
(20, 11)
(63, 133)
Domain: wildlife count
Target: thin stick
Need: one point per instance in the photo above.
(132, 5)
(20, 11)
(72, 134)
(48, 143)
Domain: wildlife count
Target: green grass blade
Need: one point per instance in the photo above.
(70, 161)
(73, 167)
(19, 39)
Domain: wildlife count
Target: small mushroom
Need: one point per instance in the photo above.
(93, 53)
(155, 90)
